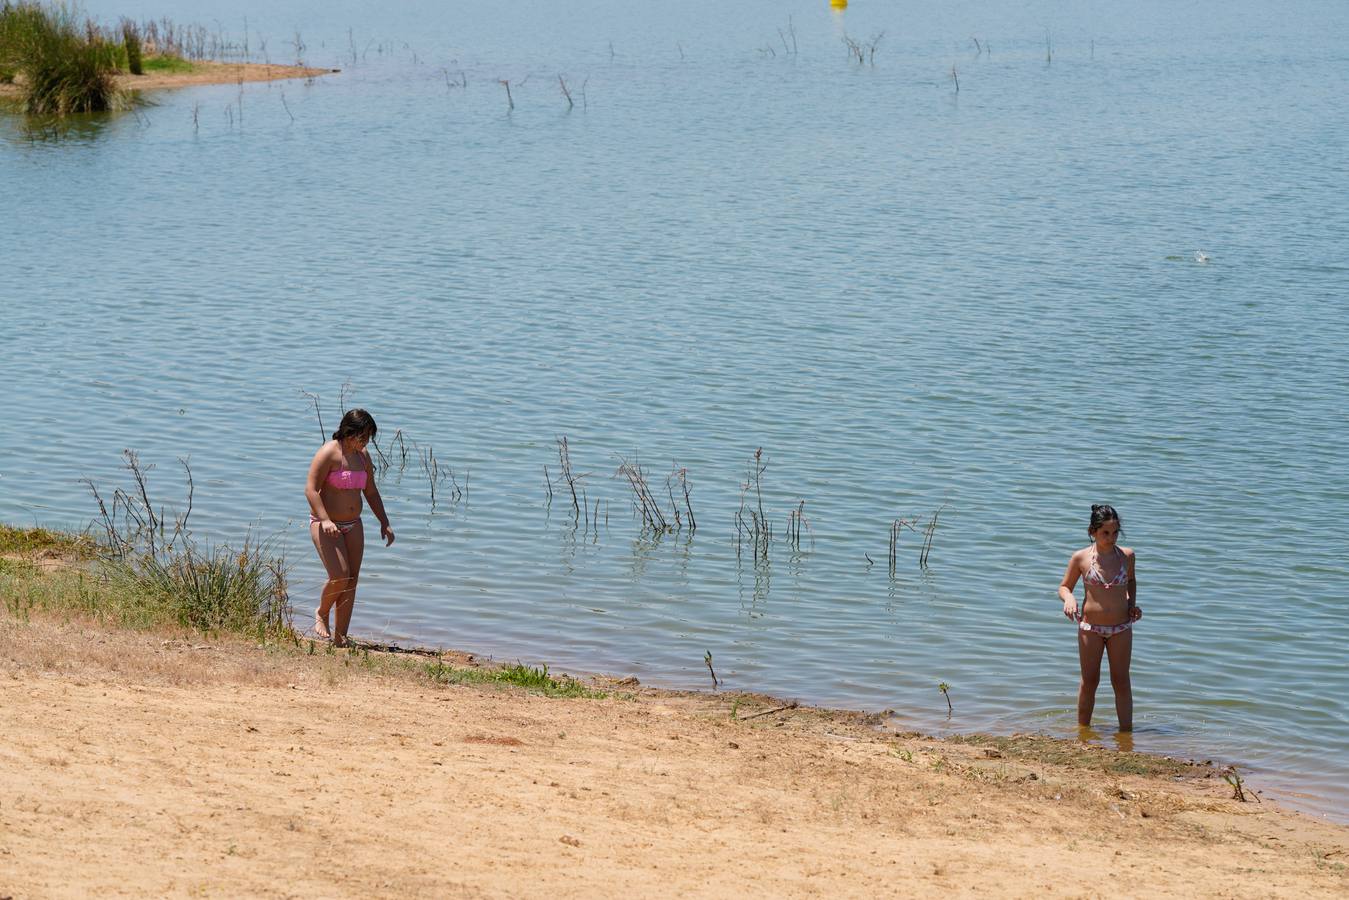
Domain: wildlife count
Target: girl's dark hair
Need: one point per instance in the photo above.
(1100, 514)
(356, 423)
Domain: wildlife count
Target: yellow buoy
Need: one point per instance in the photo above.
(838, 4)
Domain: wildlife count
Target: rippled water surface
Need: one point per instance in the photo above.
(912, 298)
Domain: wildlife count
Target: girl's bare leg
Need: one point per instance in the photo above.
(1120, 649)
(355, 551)
(333, 553)
(1090, 646)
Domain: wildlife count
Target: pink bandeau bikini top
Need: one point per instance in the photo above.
(347, 479)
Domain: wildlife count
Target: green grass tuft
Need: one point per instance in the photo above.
(172, 64)
(65, 68)
(528, 677)
(29, 541)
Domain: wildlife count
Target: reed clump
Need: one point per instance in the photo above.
(152, 571)
(131, 45)
(60, 67)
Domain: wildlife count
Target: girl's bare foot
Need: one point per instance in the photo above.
(340, 640)
(321, 625)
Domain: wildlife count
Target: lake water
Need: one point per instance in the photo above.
(912, 298)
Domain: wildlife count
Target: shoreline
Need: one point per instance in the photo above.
(258, 768)
(204, 73)
(50, 552)
(260, 763)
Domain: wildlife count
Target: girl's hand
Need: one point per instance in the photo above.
(1070, 608)
(1135, 614)
(329, 527)
(387, 533)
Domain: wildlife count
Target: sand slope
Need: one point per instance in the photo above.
(153, 765)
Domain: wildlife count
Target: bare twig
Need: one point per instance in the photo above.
(314, 399)
(768, 712)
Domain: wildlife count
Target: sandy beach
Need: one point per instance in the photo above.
(205, 73)
(168, 764)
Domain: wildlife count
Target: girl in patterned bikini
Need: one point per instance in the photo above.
(1107, 615)
(339, 475)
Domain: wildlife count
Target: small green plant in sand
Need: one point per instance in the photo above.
(1232, 777)
(946, 692)
(531, 678)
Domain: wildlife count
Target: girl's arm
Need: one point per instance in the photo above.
(318, 470)
(1132, 588)
(376, 501)
(1066, 587)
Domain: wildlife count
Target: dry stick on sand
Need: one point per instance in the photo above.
(768, 712)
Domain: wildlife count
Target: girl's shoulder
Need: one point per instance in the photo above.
(1128, 552)
(329, 452)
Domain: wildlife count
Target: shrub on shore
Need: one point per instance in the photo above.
(207, 590)
(145, 571)
(65, 69)
(131, 45)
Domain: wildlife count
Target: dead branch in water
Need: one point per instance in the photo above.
(757, 528)
(314, 399)
(644, 502)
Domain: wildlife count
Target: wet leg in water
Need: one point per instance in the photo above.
(1090, 647)
(1120, 648)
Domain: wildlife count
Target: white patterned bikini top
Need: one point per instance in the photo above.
(1095, 576)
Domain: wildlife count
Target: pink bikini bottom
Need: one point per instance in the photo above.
(1105, 631)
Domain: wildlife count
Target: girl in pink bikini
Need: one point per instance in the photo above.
(1107, 615)
(338, 476)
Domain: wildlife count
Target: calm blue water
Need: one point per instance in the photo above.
(909, 297)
